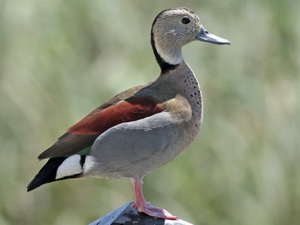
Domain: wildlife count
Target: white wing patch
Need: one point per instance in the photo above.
(71, 166)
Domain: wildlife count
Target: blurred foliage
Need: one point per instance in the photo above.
(60, 59)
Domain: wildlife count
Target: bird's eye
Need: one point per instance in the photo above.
(185, 20)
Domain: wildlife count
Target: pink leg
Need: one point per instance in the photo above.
(146, 207)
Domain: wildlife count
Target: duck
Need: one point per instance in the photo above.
(142, 128)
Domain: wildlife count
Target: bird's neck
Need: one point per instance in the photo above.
(167, 56)
(182, 81)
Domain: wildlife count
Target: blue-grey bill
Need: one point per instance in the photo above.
(205, 36)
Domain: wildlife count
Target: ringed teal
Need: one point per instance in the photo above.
(142, 128)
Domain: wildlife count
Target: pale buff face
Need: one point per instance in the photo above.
(173, 29)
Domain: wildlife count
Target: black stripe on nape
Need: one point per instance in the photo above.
(164, 66)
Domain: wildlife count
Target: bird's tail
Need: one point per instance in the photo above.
(58, 169)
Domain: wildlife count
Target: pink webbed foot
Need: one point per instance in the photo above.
(146, 207)
(155, 211)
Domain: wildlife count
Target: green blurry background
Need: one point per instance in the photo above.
(60, 59)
